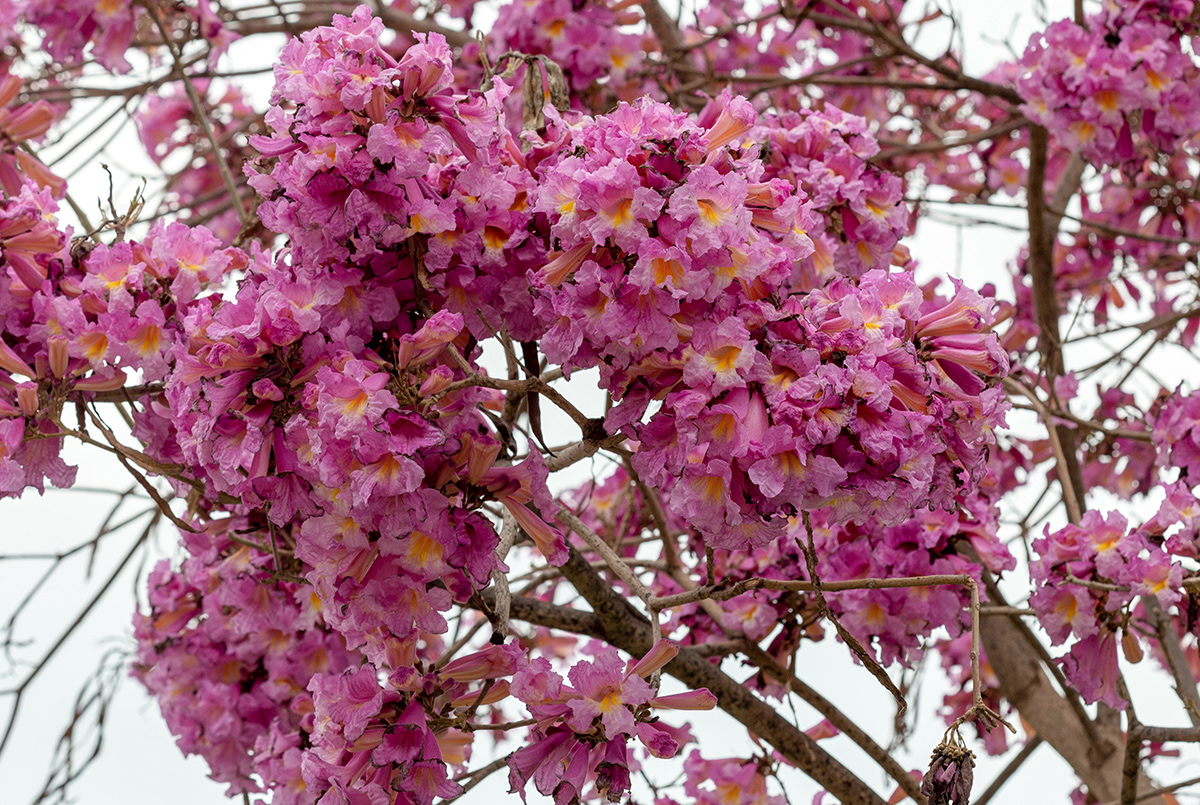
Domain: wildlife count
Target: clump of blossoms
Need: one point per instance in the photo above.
(1088, 576)
(324, 396)
(1118, 270)
(1176, 434)
(584, 728)
(380, 167)
(1098, 86)
(1124, 462)
(895, 624)
(675, 255)
(228, 651)
(672, 250)
(584, 38)
(51, 331)
(1091, 575)
(899, 622)
(726, 781)
(826, 154)
(105, 30)
(769, 46)
(83, 320)
(381, 463)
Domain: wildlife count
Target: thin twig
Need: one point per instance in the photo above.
(871, 664)
(201, 112)
(19, 691)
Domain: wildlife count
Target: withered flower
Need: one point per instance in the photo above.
(951, 773)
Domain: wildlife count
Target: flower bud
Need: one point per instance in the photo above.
(58, 355)
(27, 398)
(11, 362)
(662, 653)
(439, 379)
(1130, 647)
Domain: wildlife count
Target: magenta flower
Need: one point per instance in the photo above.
(1157, 576)
(606, 692)
(612, 772)
(1091, 666)
(1065, 610)
(347, 702)
(540, 761)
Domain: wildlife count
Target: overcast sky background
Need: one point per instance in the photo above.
(140, 764)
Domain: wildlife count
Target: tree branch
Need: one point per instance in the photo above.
(626, 628)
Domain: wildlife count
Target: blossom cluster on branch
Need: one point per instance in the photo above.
(339, 379)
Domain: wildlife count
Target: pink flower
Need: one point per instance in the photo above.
(612, 772)
(530, 760)
(491, 663)
(1107, 541)
(1091, 666)
(1157, 576)
(606, 691)
(346, 702)
(1065, 610)
(351, 398)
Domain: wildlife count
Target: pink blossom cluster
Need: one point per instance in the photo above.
(75, 29)
(584, 728)
(672, 246)
(827, 155)
(380, 166)
(79, 319)
(71, 27)
(372, 744)
(251, 676)
(1097, 86)
(1124, 465)
(31, 244)
(56, 341)
(585, 39)
(1087, 577)
(279, 409)
(1176, 434)
(725, 781)
(896, 623)
(321, 393)
(1117, 266)
(383, 463)
(228, 651)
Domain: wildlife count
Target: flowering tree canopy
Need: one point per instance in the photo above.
(493, 376)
